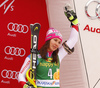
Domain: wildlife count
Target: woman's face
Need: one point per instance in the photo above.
(54, 44)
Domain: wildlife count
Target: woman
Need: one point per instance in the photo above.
(50, 57)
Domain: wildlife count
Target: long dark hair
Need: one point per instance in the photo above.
(43, 52)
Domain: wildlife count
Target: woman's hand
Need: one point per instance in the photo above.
(71, 15)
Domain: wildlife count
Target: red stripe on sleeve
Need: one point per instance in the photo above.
(75, 26)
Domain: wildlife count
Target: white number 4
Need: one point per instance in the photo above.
(50, 73)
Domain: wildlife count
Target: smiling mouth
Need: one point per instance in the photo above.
(54, 47)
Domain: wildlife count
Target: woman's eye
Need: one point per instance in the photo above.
(59, 42)
(55, 39)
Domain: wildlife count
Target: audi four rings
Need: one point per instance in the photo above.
(14, 51)
(96, 10)
(17, 27)
(9, 74)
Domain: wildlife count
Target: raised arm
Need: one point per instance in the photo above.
(68, 46)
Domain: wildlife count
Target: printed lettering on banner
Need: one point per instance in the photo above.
(9, 74)
(17, 28)
(97, 13)
(16, 51)
(8, 6)
(89, 26)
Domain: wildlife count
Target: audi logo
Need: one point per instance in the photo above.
(97, 14)
(17, 27)
(9, 74)
(14, 51)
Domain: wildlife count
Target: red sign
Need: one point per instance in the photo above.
(15, 19)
